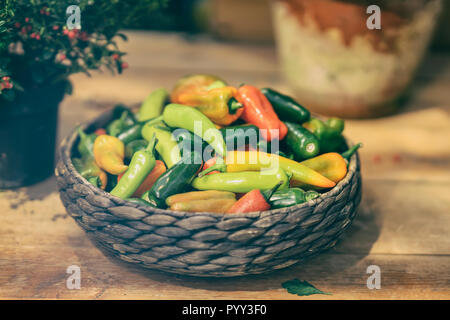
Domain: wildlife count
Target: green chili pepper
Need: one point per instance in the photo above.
(286, 108)
(134, 146)
(329, 133)
(242, 182)
(180, 116)
(95, 181)
(302, 143)
(88, 168)
(191, 143)
(112, 182)
(167, 146)
(153, 105)
(86, 145)
(131, 133)
(119, 110)
(142, 163)
(349, 153)
(237, 137)
(118, 125)
(291, 197)
(139, 201)
(175, 180)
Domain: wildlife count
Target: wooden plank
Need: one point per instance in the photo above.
(343, 275)
(402, 232)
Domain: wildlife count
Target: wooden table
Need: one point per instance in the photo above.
(403, 225)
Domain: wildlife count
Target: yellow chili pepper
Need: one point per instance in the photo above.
(237, 161)
(331, 165)
(109, 153)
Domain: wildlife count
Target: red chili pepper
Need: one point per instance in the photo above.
(100, 131)
(259, 112)
(255, 200)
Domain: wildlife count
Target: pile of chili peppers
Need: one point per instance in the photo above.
(211, 147)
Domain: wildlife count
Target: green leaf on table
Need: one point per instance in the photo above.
(301, 288)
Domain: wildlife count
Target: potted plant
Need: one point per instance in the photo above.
(39, 50)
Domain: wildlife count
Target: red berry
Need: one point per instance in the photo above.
(65, 31)
(71, 34)
(115, 56)
(27, 19)
(33, 35)
(55, 27)
(17, 25)
(124, 65)
(38, 37)
(9, 85)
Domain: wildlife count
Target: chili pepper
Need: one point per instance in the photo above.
(194, 82)
(291, 197)
(301, 142)
(349, 153)
(211, 205)
(167, 146)
(199, 195)
(286, 108)
(100, 131)
(142, 163)
(329, 133)
(134, 146)
(179, 116)
(117, 126)
(95, 181)
(259, 111)
(86, 144)
(109, 153)
(216, 84)
(237, 137)
(237, 161)
(175, 180)
(217, 104)
(253, 201)
(112, 182)
(153, 105)
(148, 182)
(140, 201)
(88, 169)
(131, 133)
(331, 165)
(242, 182)
(119, 109)
(190, 143)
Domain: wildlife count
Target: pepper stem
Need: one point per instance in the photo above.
(348, 154)
(154, 120)
(81, 133)
(234, 105)
(217, 167)
(268, 193)
(151, 144)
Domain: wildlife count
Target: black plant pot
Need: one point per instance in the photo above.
(28, 128)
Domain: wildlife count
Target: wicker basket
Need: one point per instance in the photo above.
(206, 244)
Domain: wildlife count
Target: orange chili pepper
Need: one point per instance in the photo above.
(259, 112)
(109, 153)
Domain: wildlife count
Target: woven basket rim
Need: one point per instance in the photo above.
(65, 152)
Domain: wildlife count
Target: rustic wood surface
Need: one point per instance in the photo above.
(403, 224)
